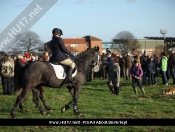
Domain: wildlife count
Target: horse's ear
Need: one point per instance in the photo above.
(96, 48)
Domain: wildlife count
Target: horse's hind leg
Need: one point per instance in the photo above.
(19, 100)
(21, 106)
(42, 89)
(36, 94)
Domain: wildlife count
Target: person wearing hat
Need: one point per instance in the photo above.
(136, 73)
(7, 74)
(60, 53)
(113, 75)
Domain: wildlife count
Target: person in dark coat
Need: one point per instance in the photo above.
(144, 66)
(60, 53)
(171, 64)
(128, 64)
(107, 50)
(89, 73)
(114, 75)
(123, 66)
(151, 71)
(156, 63)
(102, 67)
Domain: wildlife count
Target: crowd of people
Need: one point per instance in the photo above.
(7, 69)
(140, 69)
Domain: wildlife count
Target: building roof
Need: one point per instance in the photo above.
(74, 40)
(162, 38)
(91, 38)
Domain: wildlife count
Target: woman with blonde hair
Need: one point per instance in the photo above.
(46, 56)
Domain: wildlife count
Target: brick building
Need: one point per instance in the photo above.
(77, 45)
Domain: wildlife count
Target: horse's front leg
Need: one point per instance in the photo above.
(75, 93)
(67, 106)
(75, 99)
(75, 105)
(72, 102)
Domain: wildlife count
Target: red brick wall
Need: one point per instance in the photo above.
(83, 45)
(97, 43)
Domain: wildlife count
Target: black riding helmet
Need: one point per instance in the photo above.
(57, 30)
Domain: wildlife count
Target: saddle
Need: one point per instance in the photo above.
(65, 69)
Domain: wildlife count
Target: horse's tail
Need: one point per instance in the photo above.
(19, 64)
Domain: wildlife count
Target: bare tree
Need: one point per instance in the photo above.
(158, 50)
(28, 41)
(126, 42)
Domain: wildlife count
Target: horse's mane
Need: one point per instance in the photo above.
(84, 52)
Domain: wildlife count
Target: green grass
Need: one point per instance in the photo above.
(96, 101)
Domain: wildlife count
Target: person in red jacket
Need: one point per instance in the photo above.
(26, 54)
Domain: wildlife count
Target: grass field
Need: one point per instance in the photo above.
(96, 101)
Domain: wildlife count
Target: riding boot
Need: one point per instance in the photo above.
(116, 90)
(135, 90)
(143, 91)
(68, 78)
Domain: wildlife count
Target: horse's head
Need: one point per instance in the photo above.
(89, 56)
(96, 58)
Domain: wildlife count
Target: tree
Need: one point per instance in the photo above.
(158, 50)
(28, 41)
(126, 42)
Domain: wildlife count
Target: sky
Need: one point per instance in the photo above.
(100, 18)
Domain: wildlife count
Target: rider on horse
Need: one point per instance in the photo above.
(60, 53)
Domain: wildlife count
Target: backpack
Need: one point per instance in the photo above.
(7, 68)
(96, 68)
(115, 68)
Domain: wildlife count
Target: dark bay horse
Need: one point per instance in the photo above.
(40, 73)
(38, 92)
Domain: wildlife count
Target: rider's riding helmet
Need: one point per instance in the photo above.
(57, 30)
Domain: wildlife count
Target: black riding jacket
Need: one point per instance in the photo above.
(59, 50)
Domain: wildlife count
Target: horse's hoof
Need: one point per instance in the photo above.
(13, 115)
(63, 109)
(43, 113)
(48, 108)
(76, 112)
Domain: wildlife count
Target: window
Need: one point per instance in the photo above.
(75, 53)
(72, 45)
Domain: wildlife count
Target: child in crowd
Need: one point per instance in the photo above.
(136, 73)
